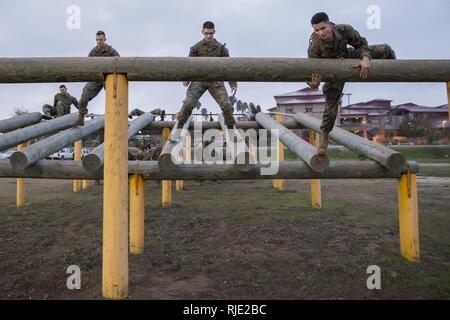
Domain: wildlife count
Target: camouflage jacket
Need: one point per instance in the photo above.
(343, 35)
(106, 51)
(214, 49)
(66, 99)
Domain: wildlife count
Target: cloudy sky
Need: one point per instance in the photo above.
(251, 28)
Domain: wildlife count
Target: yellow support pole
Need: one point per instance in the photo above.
(316, 192)
(179, 184)
(85, 184)
(408, 216)
(115, 189)
(279, 183)
(136, 214)
(166, 197)
(448, 98)
(20, 194)
(77, 156)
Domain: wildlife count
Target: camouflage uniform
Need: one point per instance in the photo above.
(337, 49)
(215, 88)
(91, 89)
(61, 105)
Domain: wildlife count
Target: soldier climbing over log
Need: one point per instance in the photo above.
(330, 41)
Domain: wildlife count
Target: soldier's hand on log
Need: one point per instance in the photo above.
(366, 68)
(186, 83)
(315, 81)
(233, 91)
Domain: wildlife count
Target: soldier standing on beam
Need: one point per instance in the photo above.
(330, 41)
(208, 47)
(61, 104)
(92, 89)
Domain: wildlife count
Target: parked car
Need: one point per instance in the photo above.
(63, 154)
(6, 154)
(84, 151)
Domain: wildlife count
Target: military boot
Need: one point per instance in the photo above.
(80, 121)
(323, 145)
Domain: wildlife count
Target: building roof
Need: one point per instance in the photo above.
(372, 104)
(414, 108)
(302, 93)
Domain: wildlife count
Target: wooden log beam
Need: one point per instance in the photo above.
(17, 137)
(94, 160)
(388, 158)
(205, 125)
(297, 145)
(45, 147)
(23, 120)
(27, 70)
(68, 169)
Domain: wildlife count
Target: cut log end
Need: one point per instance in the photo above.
(165, 162)
(396, 162)
(319, 163)
(92, 162)
(18, 161)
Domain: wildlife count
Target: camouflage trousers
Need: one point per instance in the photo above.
(333, 90)
(90, 91)
(217, 91)
(60, 110)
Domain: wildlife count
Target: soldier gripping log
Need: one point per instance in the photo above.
(330, 41)
(61, 104)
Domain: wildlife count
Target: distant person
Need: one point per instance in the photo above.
(329, 41)
(61, 104)
(92, 89)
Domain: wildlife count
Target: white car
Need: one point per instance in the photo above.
(63, 154)
(6, 154)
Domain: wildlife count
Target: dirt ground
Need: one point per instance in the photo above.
(230, 240)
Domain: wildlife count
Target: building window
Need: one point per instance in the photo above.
(289, 110)
(308, 109)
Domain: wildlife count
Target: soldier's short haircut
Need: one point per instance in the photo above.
(62, 86)
(208, 25)
(319, 17)
(100, 33)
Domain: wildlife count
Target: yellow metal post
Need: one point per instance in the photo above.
(316, 192)
(408, 216)
(166, 198)
(85, 184)
(20, 194)
(448, 98)
(279, 183)
(136, 214)
(77, 156)
(115, 189)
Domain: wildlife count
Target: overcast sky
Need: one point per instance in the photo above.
(251, 28)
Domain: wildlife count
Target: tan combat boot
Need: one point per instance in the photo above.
(80, 121)
(323, 144)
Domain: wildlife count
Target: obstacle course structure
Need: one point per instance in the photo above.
(111, 163)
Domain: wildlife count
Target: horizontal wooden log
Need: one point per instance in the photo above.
(66, 169)
(93, 161)
(205, 125)
(391, 159)
(38, 130)
(43, 148)
(20, 121)
(26, 70)
(297, 145)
